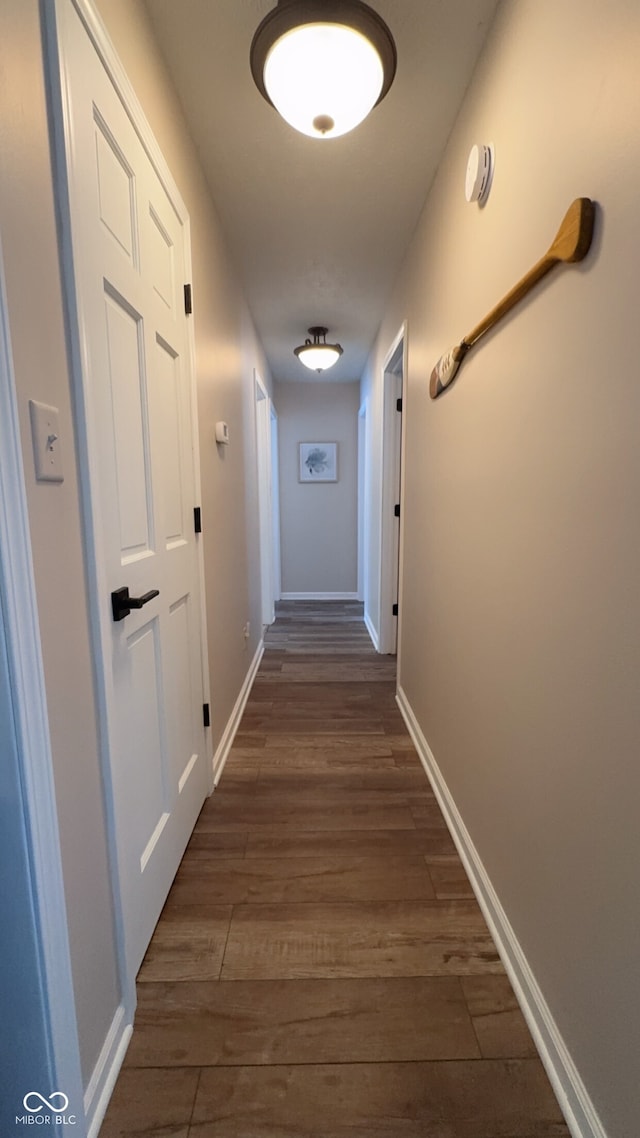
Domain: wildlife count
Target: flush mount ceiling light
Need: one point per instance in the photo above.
(323, 64)
(316, 355)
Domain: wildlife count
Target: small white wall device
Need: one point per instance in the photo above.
(45, 433)
(479, 173)
(222, 432)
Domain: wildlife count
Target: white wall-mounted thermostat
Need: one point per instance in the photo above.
(479, 173)
(222, 432)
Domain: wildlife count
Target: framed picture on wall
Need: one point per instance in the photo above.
(318, 462)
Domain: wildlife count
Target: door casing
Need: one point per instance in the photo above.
(391, 529)
(34, 905)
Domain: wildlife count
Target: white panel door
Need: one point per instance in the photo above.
(263, 460)
(130, 263)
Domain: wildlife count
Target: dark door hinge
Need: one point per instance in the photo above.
(206, 715)
(398, 405)
(396, 511)
(395, 610)
(197, 519)
(188, 300)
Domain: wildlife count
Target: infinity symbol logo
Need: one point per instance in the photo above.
(46, 1102)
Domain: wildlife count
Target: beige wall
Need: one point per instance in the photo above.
(318, 523)
(226, 353)
(520, 623)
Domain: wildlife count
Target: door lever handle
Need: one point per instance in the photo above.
(122, 603)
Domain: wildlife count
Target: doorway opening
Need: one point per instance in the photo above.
(390, 544)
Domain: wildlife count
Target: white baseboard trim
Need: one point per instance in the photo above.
(106, 1071)
(372, 631)
(572, 1095)
(319, 597)
(226, 742)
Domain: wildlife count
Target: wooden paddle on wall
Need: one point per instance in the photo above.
(572, 243)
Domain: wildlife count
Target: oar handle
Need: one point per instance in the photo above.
(512, 298)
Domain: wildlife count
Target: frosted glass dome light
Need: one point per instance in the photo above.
(323, 79)
(323, 64)
(318, 355)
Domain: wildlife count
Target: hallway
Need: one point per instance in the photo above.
(321, 967)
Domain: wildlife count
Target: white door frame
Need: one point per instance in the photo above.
(363, 512)
(53, 18)
(393, 388)
(265, 500)
(275, 503)
(25, 741)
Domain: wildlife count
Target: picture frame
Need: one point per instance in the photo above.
(318, 462)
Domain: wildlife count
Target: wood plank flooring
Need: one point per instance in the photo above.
(321, 968)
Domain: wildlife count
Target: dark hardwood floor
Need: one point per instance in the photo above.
(321, 968)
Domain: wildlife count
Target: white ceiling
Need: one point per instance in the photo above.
(318, 229)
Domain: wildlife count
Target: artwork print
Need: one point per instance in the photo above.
(318, 462)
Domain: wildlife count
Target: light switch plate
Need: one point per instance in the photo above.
(45, 433)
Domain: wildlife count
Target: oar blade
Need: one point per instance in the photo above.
(445, 371)
(573, 239)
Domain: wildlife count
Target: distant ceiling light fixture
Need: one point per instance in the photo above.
(323, 64)
(316, 355)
